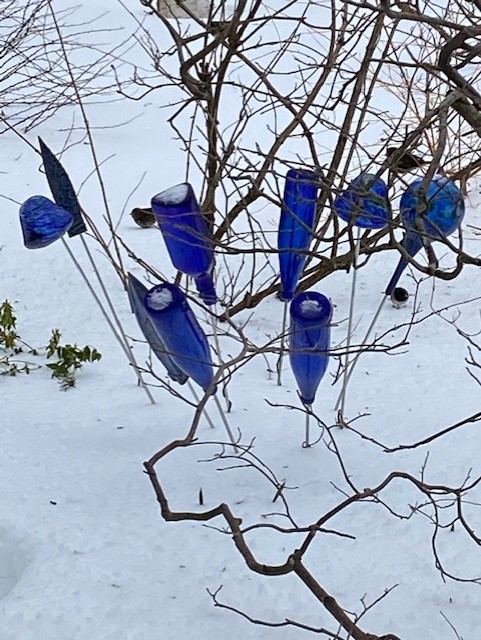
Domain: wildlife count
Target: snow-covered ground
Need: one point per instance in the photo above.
(84, 552)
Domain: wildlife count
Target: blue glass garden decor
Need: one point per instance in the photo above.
(62, 190)
(364, 203)
(43, 222)
(137, 292)
(184, 339)
(309, 342)
(432, 217)
(180, 332)
(311, 314)
(425, 218)
(187, 237)
(296, 225)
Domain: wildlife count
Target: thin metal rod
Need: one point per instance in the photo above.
(128, 350)
(364, 341)
(197, 399)
(125, 349)
(351, 317)
(283, 341)
(215, 330)
(307, 443)
(226, 424)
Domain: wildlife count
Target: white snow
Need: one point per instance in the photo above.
(84, 551)
(173, 195)
(310, 308)
(159, 299)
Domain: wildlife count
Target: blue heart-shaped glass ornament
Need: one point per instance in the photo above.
(364, 202)
(43, 222)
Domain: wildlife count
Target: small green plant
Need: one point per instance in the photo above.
(8, 325)
(69, 359)
(11, 344)
(9, 338)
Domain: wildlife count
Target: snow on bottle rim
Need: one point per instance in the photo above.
(311, 306)
(162, 297)
(173, 196)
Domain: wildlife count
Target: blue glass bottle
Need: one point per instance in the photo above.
(298, 214)
(309, 341)
(187, 237)
(137, 292)
(183, 337)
